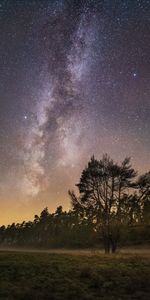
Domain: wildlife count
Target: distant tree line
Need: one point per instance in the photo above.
(112, 207)
(58, 229)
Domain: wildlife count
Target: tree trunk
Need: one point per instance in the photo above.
(113, 242)
(107, 245)
(106, 239)
(110, 244)
(113, 247)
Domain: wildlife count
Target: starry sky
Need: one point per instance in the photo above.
(74, 81)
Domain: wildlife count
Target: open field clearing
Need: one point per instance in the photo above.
(55, 276)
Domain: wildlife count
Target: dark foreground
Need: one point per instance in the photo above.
(43, 276)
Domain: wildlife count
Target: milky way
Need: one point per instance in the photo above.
(74, 82)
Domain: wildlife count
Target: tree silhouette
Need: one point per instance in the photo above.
(143, 196)
(103, 188)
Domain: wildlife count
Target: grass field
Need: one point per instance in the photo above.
(53, 276)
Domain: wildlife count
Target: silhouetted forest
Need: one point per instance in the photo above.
(111, 208)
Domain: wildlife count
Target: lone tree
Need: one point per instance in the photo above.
(104, 197)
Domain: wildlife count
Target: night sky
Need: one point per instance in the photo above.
(74, 81)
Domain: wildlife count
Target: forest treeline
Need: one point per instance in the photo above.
(111, 208)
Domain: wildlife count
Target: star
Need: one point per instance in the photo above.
(134, 74)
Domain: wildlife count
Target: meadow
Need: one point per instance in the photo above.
(84, 276)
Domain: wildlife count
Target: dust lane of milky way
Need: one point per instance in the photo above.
(74, 82)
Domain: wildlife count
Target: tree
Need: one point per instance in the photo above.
(143, 196)
(104, 187)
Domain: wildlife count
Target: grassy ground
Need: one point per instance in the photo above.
(43, 276)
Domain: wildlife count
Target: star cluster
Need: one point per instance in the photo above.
(74, 82)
